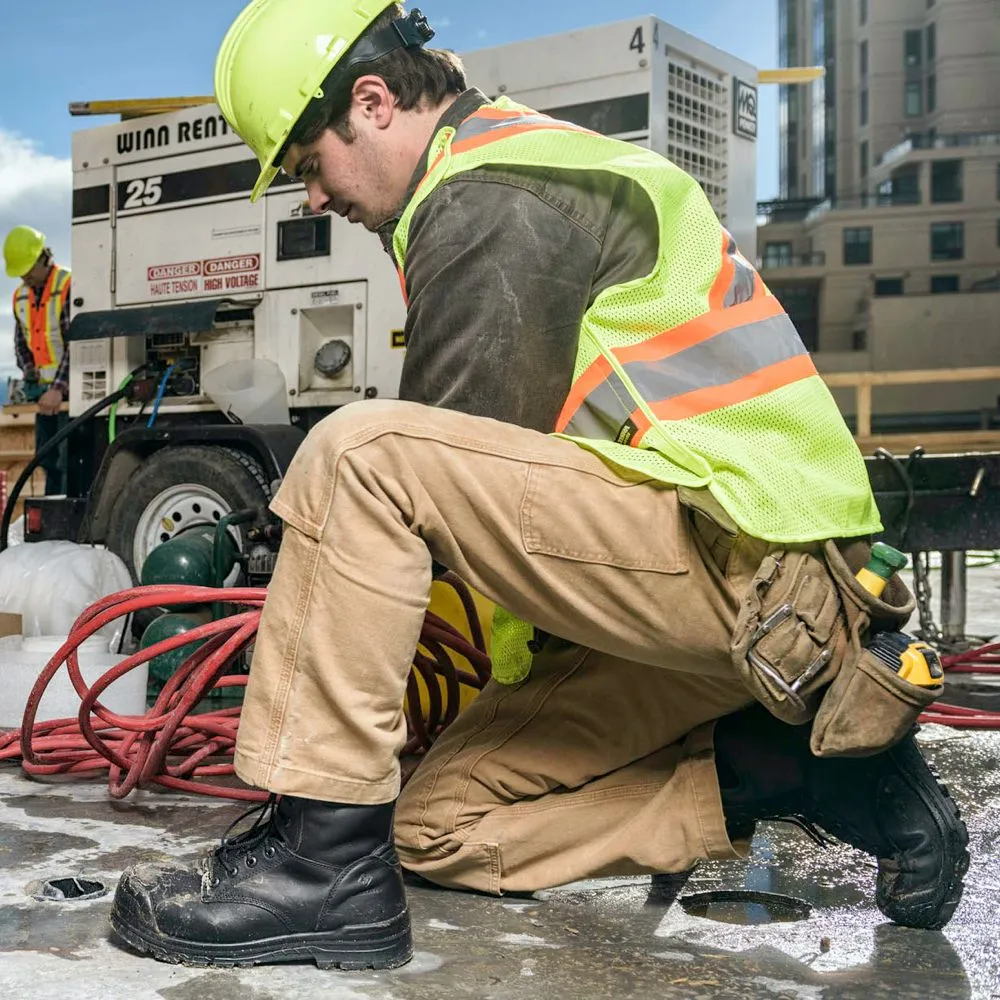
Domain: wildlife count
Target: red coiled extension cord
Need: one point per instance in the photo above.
(174, 747)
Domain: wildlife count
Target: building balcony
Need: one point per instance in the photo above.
(790, 262)
(921, 142)
(861, 203)
(785, 209)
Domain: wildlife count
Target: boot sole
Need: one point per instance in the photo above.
(386, 945)
(931, 909)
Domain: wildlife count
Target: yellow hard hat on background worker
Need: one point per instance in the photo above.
(277, 55)
(21, 249)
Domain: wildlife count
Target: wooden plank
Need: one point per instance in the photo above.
(937, 442)
(864, 397)
(847, 380)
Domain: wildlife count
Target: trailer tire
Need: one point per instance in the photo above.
(200, 483)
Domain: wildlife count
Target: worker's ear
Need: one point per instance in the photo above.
(374, 100)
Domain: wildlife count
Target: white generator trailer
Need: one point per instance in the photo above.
(174, 270)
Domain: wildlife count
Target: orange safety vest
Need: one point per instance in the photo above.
(42, 321)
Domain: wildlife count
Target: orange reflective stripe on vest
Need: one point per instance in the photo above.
(489, 124)
(41, 345)
(745, 346)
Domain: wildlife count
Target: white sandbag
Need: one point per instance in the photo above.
(50, 583)
(15, 533)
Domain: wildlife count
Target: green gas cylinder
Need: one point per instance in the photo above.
(166, 627)
(189, 559)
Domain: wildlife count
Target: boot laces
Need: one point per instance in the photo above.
(242, 846)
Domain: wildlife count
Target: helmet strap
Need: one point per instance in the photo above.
(410, 32)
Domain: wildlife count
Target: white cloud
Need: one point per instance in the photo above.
(35, 190)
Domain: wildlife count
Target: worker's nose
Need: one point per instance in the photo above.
(319, 201)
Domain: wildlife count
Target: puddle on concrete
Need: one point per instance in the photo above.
(67, 890)
(745, 907)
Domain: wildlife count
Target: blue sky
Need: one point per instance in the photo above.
(128, 48)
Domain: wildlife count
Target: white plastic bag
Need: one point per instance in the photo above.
(50, 583)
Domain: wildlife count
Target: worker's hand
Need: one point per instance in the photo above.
(50, 401)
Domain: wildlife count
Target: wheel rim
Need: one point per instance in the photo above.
(176, 510)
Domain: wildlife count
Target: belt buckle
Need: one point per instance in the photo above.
(761, 666)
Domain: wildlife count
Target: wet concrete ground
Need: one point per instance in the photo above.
(612, 938)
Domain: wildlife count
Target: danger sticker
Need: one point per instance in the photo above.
(164, 272)
(198, 276)
(232, 265)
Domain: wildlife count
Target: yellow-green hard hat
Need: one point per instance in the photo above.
(278, 53)
(21, 249)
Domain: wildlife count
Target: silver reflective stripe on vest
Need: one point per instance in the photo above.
(742, 286)
(477, 125)
(604, 411)
(722, 359)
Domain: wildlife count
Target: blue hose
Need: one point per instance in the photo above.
(159, 397)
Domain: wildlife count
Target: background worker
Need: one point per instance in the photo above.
(41, 321)
(559, 281)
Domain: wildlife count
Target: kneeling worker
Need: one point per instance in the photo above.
(609, 427)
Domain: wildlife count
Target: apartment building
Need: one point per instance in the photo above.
(885, 243)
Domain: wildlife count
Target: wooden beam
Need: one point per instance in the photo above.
(140, 107)
(847, 380)
(790, 74)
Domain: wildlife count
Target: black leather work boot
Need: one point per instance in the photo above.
(890, 805)
(309, 880)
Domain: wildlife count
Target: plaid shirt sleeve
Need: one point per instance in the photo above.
(61, 381)
(22, 352)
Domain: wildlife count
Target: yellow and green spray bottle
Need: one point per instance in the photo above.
(911, 659)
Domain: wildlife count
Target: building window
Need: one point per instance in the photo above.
(863, 60)
(864, 11)
(864, 106)
(778, 254)
(944, 284)
(913, 105)
(913, 42)
(932, 93)
(946, 181)
(864, 159)
(931, 37)
(947, 240)
(858, 245)
(888, 286)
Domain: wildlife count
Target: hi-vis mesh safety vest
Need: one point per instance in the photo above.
(41, 322)
(692, 375)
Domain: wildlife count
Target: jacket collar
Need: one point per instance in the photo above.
(467, 103)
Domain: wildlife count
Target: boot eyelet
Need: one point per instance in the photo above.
(233, 872)
(250, 861)
(269, 852)
(214, 883)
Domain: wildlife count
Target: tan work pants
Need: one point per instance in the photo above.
(602, 761)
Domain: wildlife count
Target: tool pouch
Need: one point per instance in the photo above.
(790, 634)
(868, 707)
